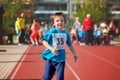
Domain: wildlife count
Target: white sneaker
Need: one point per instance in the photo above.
(19, 44)
(32, 44)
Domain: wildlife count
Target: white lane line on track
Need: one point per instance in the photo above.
(19, 65)
(74, 73)
(90, 53)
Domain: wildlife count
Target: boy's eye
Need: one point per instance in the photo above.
(59, 20)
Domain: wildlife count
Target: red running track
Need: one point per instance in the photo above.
(94, 63)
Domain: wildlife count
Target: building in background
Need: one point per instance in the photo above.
(42, 9)
(72, 7)
(45, 8)
(114, 8)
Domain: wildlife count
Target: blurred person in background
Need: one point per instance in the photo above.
(106, 38)
(1, 22)
(45, 29)
(112, 28)
(10, 34)
(35, 32)
(17, 30)
(97, 35)
(76, 24)
(21, 24)
(88, 28)
(27, 33)
(73, 35)
(117, 32)
(81, 35)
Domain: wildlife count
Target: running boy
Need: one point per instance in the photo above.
(55, 41)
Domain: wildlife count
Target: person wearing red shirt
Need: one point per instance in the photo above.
(88, 28)
(34, 28)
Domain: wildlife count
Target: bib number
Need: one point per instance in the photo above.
(59, 40)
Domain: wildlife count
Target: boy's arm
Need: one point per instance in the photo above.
(54, 50)
(73, 52)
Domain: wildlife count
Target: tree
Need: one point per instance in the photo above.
(97, 8)
(12, 10)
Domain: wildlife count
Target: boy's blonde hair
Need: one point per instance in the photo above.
(57, 14)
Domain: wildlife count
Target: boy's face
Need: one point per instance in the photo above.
(59, 22)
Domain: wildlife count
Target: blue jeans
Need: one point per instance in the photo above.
(51, 67)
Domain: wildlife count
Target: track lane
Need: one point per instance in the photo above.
(91, 64)
(90, 67)
(32, 66)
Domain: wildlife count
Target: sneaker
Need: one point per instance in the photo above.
(32, 44)
(19, 44)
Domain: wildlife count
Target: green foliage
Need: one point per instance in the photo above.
(12, 9)
(97, 8)
(69, 26)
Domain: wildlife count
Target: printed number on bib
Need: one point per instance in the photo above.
(59, 40)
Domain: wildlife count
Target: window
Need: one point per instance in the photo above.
(73, 7)
(41, 7)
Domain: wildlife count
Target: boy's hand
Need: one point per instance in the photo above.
(54, 50)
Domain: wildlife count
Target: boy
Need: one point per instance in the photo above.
(55, 41)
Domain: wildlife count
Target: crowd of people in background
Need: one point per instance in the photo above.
(30, 33)
(90, 33)
(82, 33)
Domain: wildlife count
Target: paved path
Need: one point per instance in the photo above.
(9, 56)
(115, 43)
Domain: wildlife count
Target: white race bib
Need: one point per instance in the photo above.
(59, 40)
